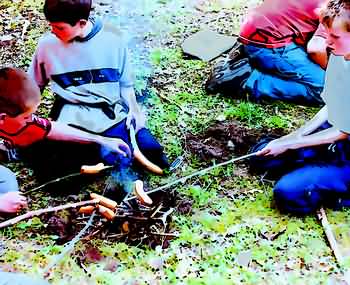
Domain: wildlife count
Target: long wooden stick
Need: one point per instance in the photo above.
(47, 210)
(332, 242)
(330, 236)
(197, 173)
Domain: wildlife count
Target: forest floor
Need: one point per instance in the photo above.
(225, 228)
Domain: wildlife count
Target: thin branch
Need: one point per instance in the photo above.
(68, 247)
(35, 213)
(52, 182)
(197, 173)
(165, 234)
(175, 103)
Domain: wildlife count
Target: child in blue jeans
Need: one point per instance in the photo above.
(284, 55)
(313, 162)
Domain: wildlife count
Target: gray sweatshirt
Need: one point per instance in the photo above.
(88, 73)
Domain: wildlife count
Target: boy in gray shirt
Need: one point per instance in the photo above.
(88, 67)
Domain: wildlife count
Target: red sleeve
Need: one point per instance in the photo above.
(35, 130)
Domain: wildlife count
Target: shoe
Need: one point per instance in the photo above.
(236, 53)
(229, 80)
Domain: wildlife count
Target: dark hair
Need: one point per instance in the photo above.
(333, 9)
(18, 92)
(67, 11)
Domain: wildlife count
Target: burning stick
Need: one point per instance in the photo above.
(32, 214)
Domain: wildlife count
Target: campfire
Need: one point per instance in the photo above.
(136, 219)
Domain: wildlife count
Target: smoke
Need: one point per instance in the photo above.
(121, 181)
(143, 27)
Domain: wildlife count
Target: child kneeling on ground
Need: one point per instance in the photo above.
(313, 162)
(88, 66)
(19, 128)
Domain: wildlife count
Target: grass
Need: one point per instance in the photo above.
(232, 218)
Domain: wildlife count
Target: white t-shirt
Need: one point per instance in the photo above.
(336, 92)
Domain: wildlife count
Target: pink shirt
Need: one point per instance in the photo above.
(276, 23)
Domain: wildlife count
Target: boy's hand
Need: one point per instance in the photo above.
(117, 145)
(139, 117)
(274, 148)
(12, 202)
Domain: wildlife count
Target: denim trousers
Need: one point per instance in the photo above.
(285, 73)
(309, 177)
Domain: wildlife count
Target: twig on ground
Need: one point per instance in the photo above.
(35, 213)
(165, 234)
(68, 247)
(321, 214)
(175, 103)
(24, 30)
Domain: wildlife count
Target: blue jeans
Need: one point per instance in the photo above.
(285, 73)
(147, 143)
(309, 177)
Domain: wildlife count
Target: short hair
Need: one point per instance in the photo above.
(18, 91)
(67, 11)
(333, 9)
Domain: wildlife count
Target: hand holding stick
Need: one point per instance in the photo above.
(35, 213)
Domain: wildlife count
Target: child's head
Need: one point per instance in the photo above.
(19, 94)
(67, 18)
(335, 16)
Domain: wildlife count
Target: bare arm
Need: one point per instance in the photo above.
(135, 112)
(303, 138)
(311, 125)
(317, 50)
(62, 132)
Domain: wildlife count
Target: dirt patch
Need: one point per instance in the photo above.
(223, 139)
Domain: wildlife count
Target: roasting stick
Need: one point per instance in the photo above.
(197, 173)
(39, 212)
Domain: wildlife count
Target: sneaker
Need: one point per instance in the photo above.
(230, 79)
(235, 54)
